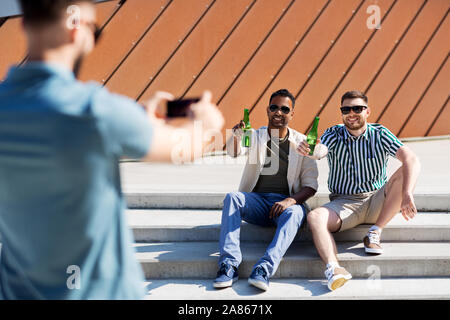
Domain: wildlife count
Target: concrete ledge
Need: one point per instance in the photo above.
(301, 289)
(199, 260)
(205, 200)
(204, 225)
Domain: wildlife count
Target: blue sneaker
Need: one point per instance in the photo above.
(259, 278)
(226, 275)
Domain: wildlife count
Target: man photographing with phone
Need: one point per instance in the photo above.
(61, 204)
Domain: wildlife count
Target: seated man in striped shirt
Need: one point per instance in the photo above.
(360, 193)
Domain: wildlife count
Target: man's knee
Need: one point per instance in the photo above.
(233, 197)
(323, 218)
(293, 214)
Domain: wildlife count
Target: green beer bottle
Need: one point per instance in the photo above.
(247, 130)
(311, 138)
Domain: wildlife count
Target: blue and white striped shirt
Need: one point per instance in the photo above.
(358, 165)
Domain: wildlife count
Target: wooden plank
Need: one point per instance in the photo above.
(239, 48)
(430, 106)
(371, 60)
(199, 48)
(441, 126)
(335, 65)
(117, 40)
(404, 56)
(306, 58)
(157, 46)
(13, 43)
(270, 58)
(417, 81)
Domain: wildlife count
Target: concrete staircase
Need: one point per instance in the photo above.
(175, 213)
(178, 250)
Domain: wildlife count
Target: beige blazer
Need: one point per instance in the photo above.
(302, 171)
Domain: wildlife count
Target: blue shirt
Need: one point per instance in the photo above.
(62, 223)
(358, 164)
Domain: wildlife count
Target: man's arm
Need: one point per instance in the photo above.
(410, 168)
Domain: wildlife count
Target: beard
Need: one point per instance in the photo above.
(77, 66)
(355, 125)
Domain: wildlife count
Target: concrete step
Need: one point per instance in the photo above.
(204, 225)
(197, 260)
(301, 289)
(213, 200)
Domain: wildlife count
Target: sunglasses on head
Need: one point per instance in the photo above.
(356, 109)
(275, 108)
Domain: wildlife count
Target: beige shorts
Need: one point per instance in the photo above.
(356, 209)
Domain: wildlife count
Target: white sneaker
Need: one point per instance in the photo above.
(337, 277)
(372, 243)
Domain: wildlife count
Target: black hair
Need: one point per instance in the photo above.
(44, 12)
(354, 94)
(283, 93)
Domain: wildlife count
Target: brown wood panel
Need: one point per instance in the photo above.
(417, 81)
(372, 58)
(239, 48)
(119, 37)
(404, 56)
(442, 125)
(199, 48)
(156, 47)
(430, 106)
(270, 58)
(13, 44)
(306, 57)
(105, 10)
(335, 65)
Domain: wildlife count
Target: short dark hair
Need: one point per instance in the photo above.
(283, 93)
(354, 94)
(44, 12)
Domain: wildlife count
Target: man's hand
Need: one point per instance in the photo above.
(320, 150)
(280, 206)
(155, 106)
(408, 207)
(237, 129)
(208, 113)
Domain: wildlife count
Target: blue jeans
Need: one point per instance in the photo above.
(254, 208)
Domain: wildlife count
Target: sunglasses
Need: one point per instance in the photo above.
(97, 32)
(275, 108)
(356, 109)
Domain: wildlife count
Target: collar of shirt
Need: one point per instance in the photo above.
(345, 135)
(38, 68)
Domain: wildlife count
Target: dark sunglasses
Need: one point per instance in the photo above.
(356, 109)
(97, 32)
(275, 108)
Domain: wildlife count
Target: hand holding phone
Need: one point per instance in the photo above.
(180, 108)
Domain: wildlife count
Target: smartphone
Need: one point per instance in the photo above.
(180, 108)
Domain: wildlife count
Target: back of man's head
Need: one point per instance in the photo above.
(38, 13)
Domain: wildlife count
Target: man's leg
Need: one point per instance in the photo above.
(393, 200)
(390, 203)
(322, 221)
(288, 224)
(237, 206)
